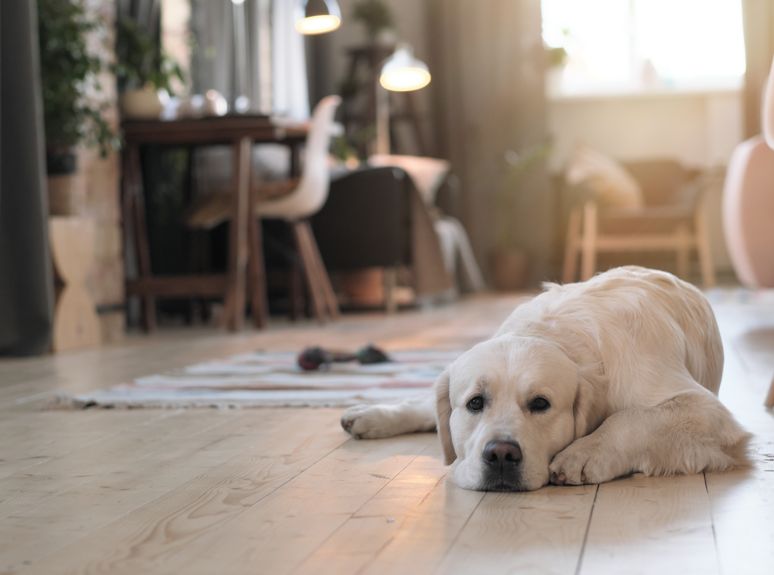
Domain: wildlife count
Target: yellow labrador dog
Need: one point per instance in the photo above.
(585, 383)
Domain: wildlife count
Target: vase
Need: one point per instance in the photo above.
(144, 103)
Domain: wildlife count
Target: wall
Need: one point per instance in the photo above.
(697, 128)
(93, 192)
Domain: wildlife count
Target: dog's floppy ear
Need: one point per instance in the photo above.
(586, 408)
(443, 413)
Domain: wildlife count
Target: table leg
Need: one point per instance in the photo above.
(235, 291)
(256, 268)
(295, 159)
(135, 213)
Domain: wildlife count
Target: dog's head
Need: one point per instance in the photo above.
(506, 407)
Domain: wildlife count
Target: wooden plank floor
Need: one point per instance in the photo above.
(286, 491)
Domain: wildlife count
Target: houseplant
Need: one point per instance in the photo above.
(72, 109)
(143, 70)
(509, 263)
(377, 19)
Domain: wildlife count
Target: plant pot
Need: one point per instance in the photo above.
(147, 103)
(67, 194)
(61, 160)
(509, 269)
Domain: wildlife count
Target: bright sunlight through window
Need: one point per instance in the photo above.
(638, 45)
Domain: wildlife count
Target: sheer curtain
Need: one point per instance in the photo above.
(290, 93)
(276, 64)
(275, 67)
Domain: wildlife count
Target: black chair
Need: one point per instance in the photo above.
(374, 218)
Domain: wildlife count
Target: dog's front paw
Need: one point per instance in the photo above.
(584, 461)
(369, 421)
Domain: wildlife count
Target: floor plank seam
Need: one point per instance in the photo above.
(712, 523)
(459, 533)
(366, 502)
(96, 479)
(586, 534)
(379, 552)
(92, 444)
(122, 516)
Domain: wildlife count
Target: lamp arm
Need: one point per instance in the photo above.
(382, 120)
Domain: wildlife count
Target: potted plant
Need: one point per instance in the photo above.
(70, 72)
(509, 263)
(555, 60)
(143, 70)
(377, 19)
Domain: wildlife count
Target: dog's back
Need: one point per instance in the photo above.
(628, 310)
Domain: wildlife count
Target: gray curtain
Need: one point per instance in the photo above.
(759, 49)
(26, 285)
(489, 97)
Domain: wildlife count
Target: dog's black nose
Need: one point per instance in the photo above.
(502, 453)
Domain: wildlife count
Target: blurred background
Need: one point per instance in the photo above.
(206, 162)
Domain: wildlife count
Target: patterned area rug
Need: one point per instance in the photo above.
(274, 380)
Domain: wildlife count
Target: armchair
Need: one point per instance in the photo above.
(671, 219)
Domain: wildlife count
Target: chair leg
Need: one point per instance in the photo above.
(257, 274)
(683, 252)
(589, 247)
(770, 397)
(296, 292)
(137, 224)
(571, 247)
(703, 247)
(324, 281)
(309, 269)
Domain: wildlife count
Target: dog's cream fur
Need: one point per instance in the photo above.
(630, 362)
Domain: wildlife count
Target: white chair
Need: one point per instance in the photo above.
(293, 201)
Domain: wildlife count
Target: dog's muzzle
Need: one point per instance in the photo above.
(502, 471)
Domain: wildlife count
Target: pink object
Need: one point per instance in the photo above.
(748, 212)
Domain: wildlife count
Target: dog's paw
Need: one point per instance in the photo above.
(369, 421)
(582, 462)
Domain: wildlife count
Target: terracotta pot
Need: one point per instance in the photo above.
(67, 194)
(147, 102)
(509, 269)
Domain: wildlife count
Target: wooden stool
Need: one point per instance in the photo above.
(76, 324)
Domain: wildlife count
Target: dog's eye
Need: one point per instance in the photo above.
(476, 404)
(539, 404)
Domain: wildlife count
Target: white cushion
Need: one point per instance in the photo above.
(427, 173)
(610, 183)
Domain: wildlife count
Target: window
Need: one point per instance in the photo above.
(639, 45)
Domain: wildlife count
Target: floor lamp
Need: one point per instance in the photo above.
(401, 72)
(317, 17)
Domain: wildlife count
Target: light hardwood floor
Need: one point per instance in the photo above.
(286, 490)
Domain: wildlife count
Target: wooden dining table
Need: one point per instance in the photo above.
(240, 132)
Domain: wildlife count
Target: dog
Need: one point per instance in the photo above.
(585, 383)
